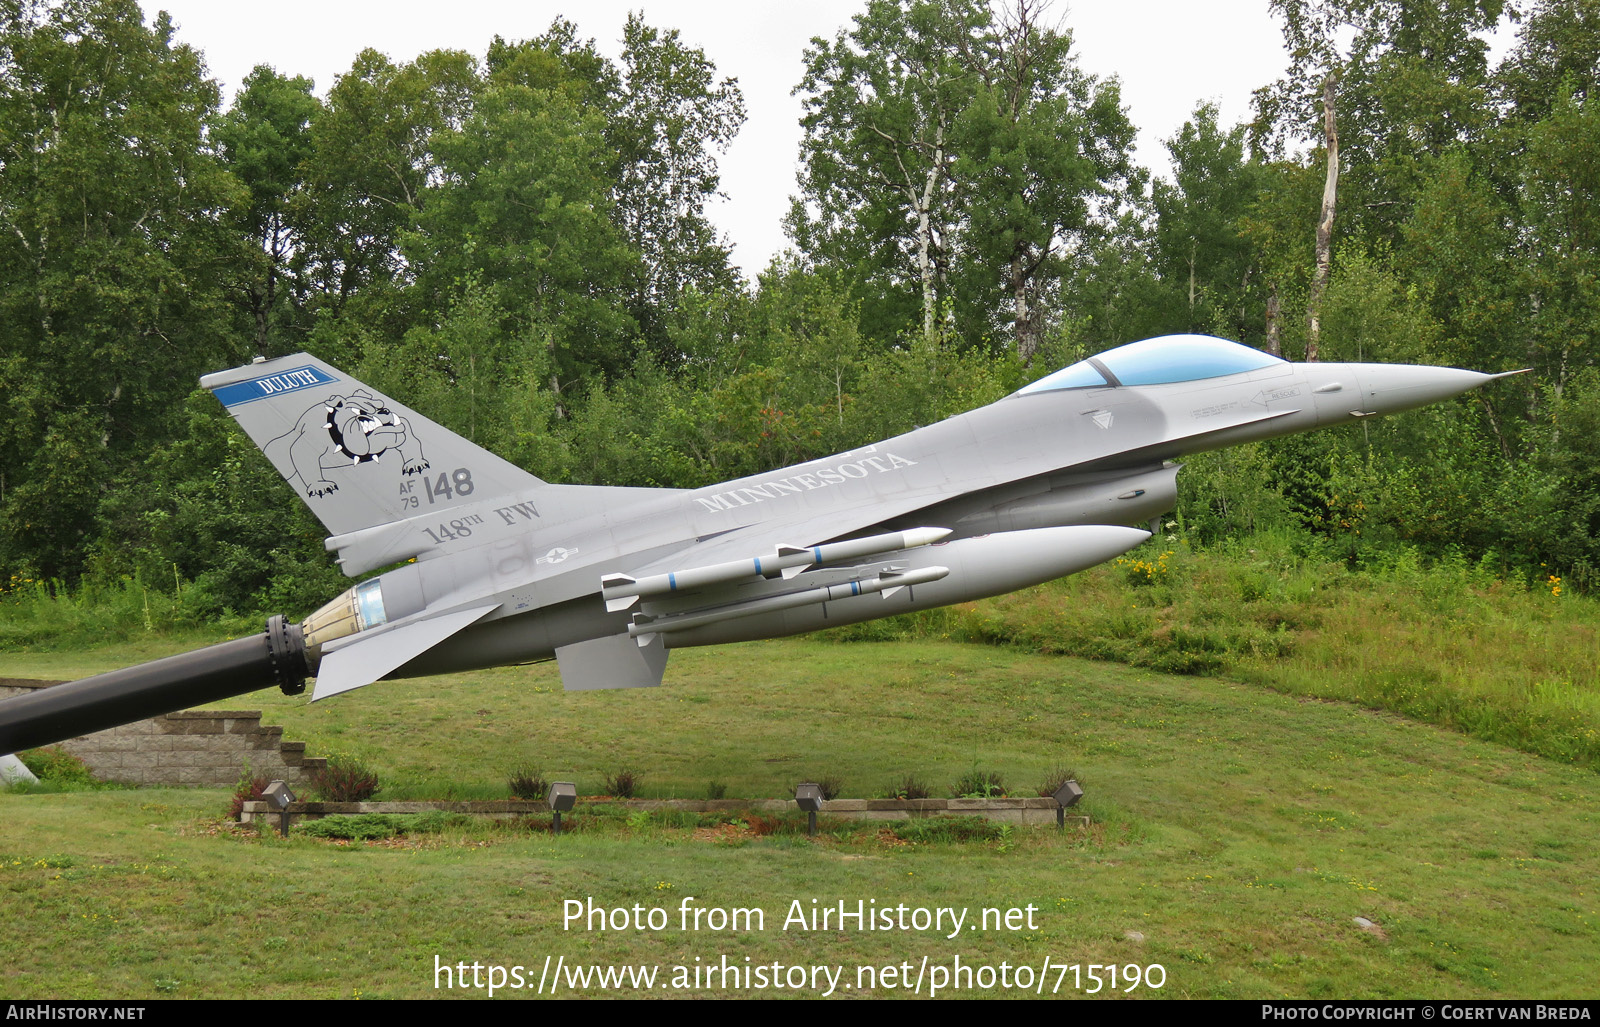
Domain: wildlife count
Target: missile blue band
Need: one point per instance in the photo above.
(855, 588)
(672, 582)
(816, 554)
(758, 565)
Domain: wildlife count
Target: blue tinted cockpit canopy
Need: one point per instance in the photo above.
(1159, 361)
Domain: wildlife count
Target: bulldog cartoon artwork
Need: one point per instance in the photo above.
(339, 433)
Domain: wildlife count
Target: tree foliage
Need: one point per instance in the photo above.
(669, 120)
(517, 243)
(114, 258)
(957, 159)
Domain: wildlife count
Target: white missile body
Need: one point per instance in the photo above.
(969, 568)
(621, 591)
(888, 583)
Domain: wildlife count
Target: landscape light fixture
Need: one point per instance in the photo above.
(809, 798)
(279, 796)
(1066, 795)
(563, 795)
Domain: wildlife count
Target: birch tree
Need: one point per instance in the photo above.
(960, 151)
(882, 104)
(1043, 164)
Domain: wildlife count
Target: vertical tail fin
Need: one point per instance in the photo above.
(354, 456)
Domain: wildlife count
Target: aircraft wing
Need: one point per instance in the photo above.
(623, 660)
(718, 570)
(810, 528)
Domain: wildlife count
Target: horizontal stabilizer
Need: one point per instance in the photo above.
(367, 549)
(610, 662)
(371, 656)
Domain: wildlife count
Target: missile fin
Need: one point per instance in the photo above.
(786, 552)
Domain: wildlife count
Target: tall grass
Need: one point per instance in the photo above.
(38, 615)
(1450, 642)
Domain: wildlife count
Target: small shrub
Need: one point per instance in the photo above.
(623, 784)
(1146, 573)
(979, 784)
(356, 827)
(910, 787)
(716, 789)
(248, 789)
(1057, 776)
(56, 766)
(364, 826)
(528, 782)
(346, 779)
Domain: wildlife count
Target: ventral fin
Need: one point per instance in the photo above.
(615, 661)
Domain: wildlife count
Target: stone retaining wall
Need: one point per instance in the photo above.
(207, 748)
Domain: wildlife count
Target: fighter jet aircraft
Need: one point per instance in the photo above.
(510, 568)
(505, 568)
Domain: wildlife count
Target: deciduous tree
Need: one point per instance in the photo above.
(668, 121)
(112, 257)
(265, 140)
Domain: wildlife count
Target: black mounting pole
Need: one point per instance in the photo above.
(277, 656)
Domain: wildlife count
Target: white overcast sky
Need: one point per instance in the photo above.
(1169, 55)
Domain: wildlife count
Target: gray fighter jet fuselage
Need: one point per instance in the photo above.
(511, 569)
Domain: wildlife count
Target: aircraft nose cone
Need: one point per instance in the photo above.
(1387, 388)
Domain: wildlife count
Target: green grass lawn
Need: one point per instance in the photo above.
(1238, 831)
